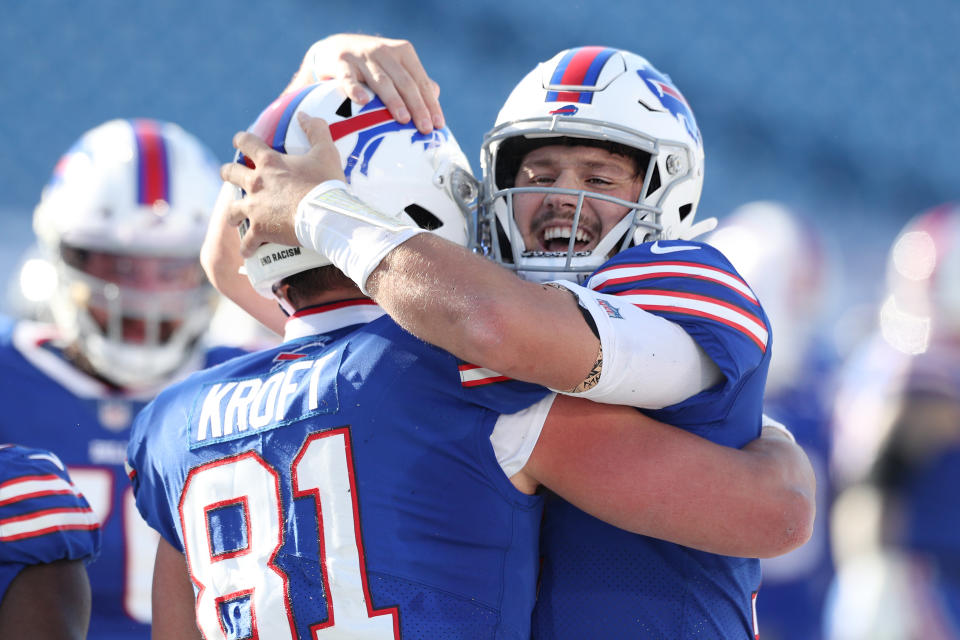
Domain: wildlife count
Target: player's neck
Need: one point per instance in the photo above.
(338, 294)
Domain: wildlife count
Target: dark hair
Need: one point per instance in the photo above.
(513, 150)
(306, 284)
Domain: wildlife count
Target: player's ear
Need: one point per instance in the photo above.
(282, 291)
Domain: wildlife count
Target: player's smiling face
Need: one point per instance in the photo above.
(545, 220)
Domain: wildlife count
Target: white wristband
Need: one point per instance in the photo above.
(767, 421)
(353, 236)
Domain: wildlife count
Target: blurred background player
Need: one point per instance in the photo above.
(120, 225)
(48, 533)
(790, 267)
(898, 426)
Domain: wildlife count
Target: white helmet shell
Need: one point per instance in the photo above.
(598, 94)
(422, 179)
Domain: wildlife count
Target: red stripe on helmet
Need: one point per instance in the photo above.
(265, 127)
(576, 71)
(362, 121)
(152, 162)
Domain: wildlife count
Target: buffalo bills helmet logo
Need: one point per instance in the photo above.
(368, 140)
(370, 124)
(671, 99)
(566, 110)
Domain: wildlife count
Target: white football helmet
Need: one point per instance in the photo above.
(422, 179)
(122, 219)
(923, 281)
(603, 95)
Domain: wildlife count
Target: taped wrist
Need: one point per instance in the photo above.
(353, 236)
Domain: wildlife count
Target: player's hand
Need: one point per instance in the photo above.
(390, 68)
(276, 183)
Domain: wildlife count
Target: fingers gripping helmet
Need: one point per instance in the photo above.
(594, 94)
(422, 179)
(923, 282)
(122, 219)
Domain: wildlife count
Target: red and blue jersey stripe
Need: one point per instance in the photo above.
(472, 375)
(706, 288)
(580, 67)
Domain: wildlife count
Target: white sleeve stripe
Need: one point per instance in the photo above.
(33, 486)
(680, 304)
(615, 275)
(767, 421)
(472, 376)
(32, 525)
(691, 297)
(49, 457)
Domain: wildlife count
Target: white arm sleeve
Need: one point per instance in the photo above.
(354, 237)
(516, 434)
(767, 421)
(648, 361)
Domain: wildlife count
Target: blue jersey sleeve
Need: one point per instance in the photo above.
(154, 496)
(496, 392)
(43, 516)
(221, 353)
(693, 285)
(469, 383)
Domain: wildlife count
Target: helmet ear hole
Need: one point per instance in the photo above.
(506, 255)
(655, 182)
(344, 110)
(685, 210)
(423, 218)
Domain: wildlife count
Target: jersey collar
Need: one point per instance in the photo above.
(324, 318)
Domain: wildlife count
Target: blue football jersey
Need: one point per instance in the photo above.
(602, 582)
(923, 479)
(43, 516)
(795, 585)
(342, 482)
(52, 405)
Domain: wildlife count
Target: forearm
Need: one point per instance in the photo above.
(47, 601)
(758, 501)
(173, 596)
(660, 481)
(483, 313)
(221, 260)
